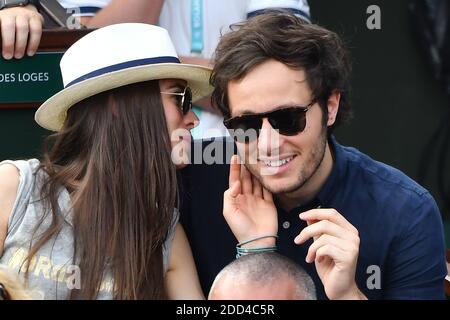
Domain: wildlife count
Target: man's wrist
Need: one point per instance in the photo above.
(265, 243)
(352, 294)
(261, 243)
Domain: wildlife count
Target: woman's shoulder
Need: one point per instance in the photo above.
(9, 183)
(9, 178)
(10, 173)
(16, 179)
(18, 168)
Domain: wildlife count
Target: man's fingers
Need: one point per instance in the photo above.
(322, 241)
(328, 214)
(8, 33)
(246, 179)
(331, 251)
(22, 28)
(229, 199)
(35, 35)
(267, 195)
(257, 188)
(235, 189)
(324, 227)
(235, 171)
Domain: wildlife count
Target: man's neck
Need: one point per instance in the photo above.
(311, 188)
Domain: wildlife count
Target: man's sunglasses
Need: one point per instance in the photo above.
(184, 99)
(288, 121)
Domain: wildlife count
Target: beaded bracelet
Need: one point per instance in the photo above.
(244, 251)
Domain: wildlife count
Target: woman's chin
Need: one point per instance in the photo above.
(180, 166)
(181, 153)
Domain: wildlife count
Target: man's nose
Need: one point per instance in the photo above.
(269, 139)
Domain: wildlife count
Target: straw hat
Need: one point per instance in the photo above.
(116, 56)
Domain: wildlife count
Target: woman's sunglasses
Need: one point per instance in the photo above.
(184, 99)
(288, 121)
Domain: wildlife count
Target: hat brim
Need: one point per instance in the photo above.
(52, 113)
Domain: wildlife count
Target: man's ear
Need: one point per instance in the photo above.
(333, 107)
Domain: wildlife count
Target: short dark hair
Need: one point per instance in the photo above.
(267, 268)
(280, 35)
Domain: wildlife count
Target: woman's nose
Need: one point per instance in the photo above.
(191, 120)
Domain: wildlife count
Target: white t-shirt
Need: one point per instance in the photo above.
(217, 17)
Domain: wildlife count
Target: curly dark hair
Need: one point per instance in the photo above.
(282, 36)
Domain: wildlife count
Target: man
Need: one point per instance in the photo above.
(360, 228)
(196, 27)
(262, 276)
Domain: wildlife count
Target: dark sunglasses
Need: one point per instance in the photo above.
(184, 99)
(288, 121)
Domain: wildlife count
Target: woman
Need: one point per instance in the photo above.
(97, 218)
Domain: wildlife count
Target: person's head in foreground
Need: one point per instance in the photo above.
(126, 93)
(277, 72)
(262, 276)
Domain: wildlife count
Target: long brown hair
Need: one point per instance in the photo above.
(113, 155)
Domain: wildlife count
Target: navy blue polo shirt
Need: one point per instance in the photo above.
(402, 251)
(399, 224)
